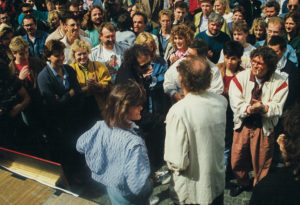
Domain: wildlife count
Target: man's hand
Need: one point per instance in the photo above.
(72, 92)
(178, 96)
(24, 73)
(257, 107)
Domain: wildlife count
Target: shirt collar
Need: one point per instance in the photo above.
(281, 63)
(55, 73)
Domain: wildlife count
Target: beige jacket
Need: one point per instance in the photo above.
(194, 147)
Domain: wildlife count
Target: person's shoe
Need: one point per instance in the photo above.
(237, 190)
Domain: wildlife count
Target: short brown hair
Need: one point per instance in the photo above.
(195, 79)
(118, 102)
(52, 46)
(109, 26)
(240, 26)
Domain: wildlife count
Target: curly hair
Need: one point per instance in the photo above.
(77, 44)
(291, 153)
(118, 102)
(87, 22)
(269, 56)
(195, 74)
(184, 31)
(146, 39)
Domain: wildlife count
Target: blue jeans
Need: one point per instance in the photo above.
(143, 199)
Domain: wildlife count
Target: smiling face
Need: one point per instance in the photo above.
(238, 16)
(21, 56)
(72, 28)
(81, 56)
(108, 38)
(219, 7)
(214, 28)
(96, 16)
(30, 26)
(180, 43)
(57, 58)
(259, 68)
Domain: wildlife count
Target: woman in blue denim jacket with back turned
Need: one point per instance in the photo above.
(115, 152)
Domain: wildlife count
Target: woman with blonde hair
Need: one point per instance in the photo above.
(159, 65)
(53, 20)
(258, 30)
(222, 7)
(93, 77)
(180, 39)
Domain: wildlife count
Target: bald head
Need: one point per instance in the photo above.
(293, 5)
(194, 74)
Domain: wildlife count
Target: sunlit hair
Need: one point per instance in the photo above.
(278, 21)
(87, 19)
(53, 46)
(52, 14)
(120, 99)
(5, 29)
(291, 153)
(193, 78)
(166, 12)
(18, 44)
(258, 23)
(146, 39)
(109, 26)
(184, 31)
(78, 44)
(226, 4)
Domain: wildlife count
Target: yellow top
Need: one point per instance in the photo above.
(100, 73)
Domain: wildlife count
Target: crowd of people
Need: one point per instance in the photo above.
(203, 86)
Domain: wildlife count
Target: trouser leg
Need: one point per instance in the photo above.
(262, 153)
(240, 156)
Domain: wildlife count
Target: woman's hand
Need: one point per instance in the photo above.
(24, 73)
(148, 73)
(173, 58)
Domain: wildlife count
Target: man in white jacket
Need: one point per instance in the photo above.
(172, 87)
(195, 132)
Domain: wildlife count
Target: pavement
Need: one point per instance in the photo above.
(94, 192)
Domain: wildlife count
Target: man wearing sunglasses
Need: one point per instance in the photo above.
(293, 5)
(27, 9)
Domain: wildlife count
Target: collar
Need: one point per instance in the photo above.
(55, 73)
(212, 35)
(281, 63)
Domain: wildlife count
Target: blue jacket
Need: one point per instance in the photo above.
(289, 53)
(36, 48)
(117, 158)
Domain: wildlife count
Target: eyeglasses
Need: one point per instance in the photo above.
(28, 11)
(4, 18)
(292, 6)
(145, 65)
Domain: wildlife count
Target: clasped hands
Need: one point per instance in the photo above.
(257, 107)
